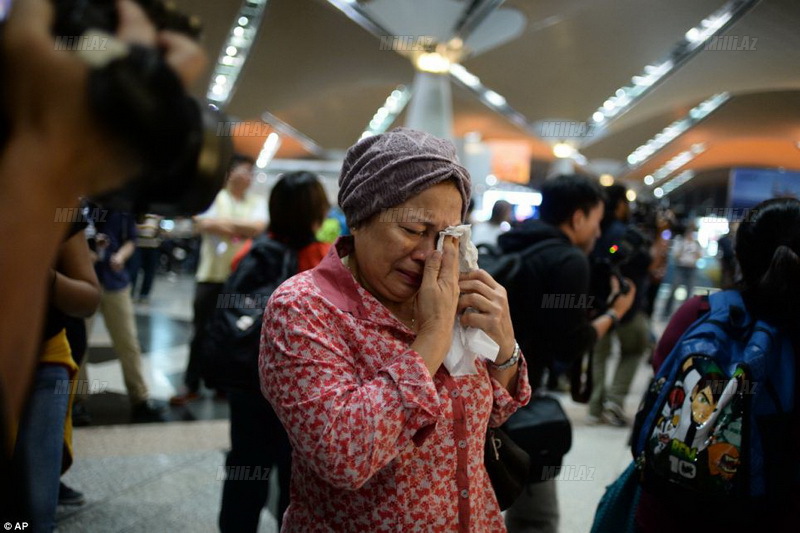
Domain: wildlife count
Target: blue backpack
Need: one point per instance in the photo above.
(716, 419)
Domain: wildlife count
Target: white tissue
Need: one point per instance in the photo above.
(468, 343)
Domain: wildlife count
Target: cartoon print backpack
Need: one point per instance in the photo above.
(715, 421)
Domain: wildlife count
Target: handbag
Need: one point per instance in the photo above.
(507, 465)
(544, 432)
(581, 378)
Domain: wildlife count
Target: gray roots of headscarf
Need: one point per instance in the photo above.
(385, 170)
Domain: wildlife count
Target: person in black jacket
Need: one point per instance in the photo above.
(551, 312)
(297, 207)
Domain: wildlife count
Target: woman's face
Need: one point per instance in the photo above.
(391, 248)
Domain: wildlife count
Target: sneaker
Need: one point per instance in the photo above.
(614, 415)
(147, 411)
(80, 415)
(184, 398)
(69, 496)
(592, 420)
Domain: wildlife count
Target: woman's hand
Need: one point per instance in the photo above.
(47, 105)
(437, 298)
(488, 303)
(435, 306)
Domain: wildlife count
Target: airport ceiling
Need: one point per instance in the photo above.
(319, 71)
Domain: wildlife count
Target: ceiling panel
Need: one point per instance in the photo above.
(326, 76)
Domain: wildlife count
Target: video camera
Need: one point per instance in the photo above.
(139, 99)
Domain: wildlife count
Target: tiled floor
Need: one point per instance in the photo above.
(166, 477)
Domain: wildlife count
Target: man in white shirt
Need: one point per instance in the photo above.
(686, 251)
(235, 216)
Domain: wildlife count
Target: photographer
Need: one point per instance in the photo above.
(621, 250)
(551, 311)
(55, 149)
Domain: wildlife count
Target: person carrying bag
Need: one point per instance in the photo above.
(297, 207)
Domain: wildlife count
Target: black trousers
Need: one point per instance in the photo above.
(205, 302)
(259, 444)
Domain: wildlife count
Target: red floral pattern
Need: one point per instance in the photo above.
(378, 444)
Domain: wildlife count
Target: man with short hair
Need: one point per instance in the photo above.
(551, 311)
(235, 216)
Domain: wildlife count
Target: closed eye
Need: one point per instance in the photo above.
(412, 231)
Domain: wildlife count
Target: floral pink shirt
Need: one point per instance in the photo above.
(379, 445)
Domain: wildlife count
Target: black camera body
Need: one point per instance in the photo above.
(628, 256)
(181, 161)
(74, 17)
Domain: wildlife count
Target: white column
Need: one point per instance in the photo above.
(431, 106)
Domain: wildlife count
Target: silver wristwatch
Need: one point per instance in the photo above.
(513, 360)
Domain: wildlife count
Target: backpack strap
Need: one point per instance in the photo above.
(729, 312)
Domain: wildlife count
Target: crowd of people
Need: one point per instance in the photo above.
(344, 383)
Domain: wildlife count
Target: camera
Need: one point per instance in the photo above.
(628, 256)
(139, 100)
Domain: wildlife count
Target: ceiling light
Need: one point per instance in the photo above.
(648, 180)
(388, 112)
(677, 162)
(678, 180)
(698, 148)
(494, 98)
(433, 62)
(677, 128)
(658, 192)
(235, 50)
(606, 180)
(464, 76)
(597, 116)
(631, 195)
(563, 150)
(692, 43)
(228, 61)
(268, 150)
